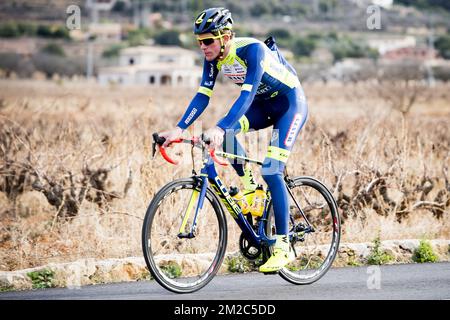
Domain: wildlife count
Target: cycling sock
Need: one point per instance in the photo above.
(282, 242)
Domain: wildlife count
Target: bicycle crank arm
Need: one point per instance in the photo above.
(186, 235)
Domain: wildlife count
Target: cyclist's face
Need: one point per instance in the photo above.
(210, 45)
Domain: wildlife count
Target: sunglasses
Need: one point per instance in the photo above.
(208, 41)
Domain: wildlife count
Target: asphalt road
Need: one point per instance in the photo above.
(430, 281)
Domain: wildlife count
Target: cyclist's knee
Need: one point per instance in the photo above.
(272, 170)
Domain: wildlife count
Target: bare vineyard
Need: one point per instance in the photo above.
(76, 173)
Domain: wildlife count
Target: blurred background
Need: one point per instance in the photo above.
(84, 84)
(346, 40)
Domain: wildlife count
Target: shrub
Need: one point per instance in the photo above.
(113, 51)
(42, 278)
(239, 264)
(424, 253)
(172, 270)
(9, 30)
(54, 49)
(377, 256)
(54, 31)
(304, 47)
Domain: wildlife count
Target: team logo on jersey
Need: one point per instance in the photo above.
(211, 71)
(274, 139)
(263, 88)
(235, 72)
(190, 116)
(293, 130)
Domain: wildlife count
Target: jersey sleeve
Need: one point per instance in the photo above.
(255, 70)
(201, 99)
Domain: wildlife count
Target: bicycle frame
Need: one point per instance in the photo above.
(209, 176)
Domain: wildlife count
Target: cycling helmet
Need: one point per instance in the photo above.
(213, 20)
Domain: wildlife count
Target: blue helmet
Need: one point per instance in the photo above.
(213, 20)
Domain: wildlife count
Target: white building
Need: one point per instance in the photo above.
(154, 65)
(106, 31)
(386, 4)
(389, 43)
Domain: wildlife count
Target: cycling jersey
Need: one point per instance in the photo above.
(260, 71)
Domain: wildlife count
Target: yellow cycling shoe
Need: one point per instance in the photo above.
(278, 260)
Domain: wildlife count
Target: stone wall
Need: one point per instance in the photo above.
(90, 271)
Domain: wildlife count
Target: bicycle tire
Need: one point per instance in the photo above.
(154, 248)
(308, 269)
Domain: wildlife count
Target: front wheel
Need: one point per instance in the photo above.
(314, 229)
(180, 262)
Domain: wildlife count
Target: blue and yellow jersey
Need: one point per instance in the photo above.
(260, 71)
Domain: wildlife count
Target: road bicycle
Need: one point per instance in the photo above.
(184, 234)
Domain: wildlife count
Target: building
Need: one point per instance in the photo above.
(389, 43)
(94, 7)
(154, 65)
(109, 32)
(386, 4)
(416, 53)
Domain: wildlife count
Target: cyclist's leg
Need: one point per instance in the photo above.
(286, 129)
(254, 119)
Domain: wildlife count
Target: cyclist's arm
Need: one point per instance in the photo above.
(201, 99)
(250, 86)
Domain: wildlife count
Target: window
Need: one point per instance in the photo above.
(165, 79)
(151, 79)
(167, 58)
(131, 61)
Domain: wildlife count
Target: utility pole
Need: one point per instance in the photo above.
(430, 45)
(136, 14)
(145, 13)
(90, 58)
(91, 4)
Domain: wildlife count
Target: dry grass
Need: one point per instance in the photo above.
(87, 149)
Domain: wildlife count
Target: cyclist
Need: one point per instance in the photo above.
(271, 95)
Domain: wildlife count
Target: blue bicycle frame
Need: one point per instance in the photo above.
(208, 175)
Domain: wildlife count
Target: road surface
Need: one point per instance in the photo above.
(429, 281)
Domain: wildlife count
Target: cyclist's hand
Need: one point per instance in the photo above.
(171, 135)
(215, 135)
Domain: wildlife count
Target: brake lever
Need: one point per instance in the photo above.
(153, 149)
(157, 140)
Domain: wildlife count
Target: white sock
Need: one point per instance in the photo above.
(282, 242)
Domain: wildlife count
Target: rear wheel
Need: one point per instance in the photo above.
(314, 229)
(185, 263)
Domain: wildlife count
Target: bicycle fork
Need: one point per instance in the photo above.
(196, 197)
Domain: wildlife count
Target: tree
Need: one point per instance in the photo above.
(168, 37)
(303, 47)
(279, 33)
(442, 44)
(44, 31)
(426, 4)
(259, 9)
